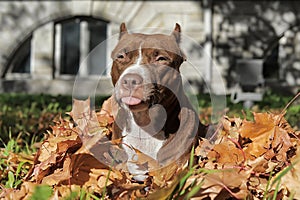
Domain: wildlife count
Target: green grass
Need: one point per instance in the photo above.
(28, 117)
(42, 192)
(13, 171)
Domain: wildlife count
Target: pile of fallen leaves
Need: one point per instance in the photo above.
(246, 160)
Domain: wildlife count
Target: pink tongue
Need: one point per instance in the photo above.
(131, 101)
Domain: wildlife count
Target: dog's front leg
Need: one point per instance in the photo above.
(182, 141)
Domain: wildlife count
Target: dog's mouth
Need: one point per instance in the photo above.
(136, 95)
(134, 103)
(131, 101)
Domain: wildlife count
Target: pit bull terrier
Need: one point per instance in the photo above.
(154, 116)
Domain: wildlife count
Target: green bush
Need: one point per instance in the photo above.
(272, 102)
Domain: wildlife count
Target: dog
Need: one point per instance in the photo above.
(153, 115)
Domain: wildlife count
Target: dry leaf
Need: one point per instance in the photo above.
(261, 132)
(226, 154)
(59, 174)
(291, 180)
(238, 164)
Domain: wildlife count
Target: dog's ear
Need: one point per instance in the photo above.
(177, 33)
(123, 30)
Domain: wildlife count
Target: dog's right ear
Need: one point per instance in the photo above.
(177, 33)
(123, 30)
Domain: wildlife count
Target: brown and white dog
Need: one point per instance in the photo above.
(154, 115)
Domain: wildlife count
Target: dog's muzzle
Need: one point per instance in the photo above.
(131, 84)
(135, 87)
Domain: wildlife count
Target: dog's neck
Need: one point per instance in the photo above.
(146, 137)
(141, 118)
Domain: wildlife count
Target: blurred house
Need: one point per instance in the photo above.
(46, 45)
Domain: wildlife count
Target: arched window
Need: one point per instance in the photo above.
(18, 63)
(74, 39)
(21, 62)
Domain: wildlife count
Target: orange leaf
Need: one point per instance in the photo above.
(261, 132)
(226, 154)
(262, 125)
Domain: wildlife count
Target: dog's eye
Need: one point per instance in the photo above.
(161, 58)
(121, 56)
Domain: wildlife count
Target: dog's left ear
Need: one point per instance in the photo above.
(177, 33)
(123, 30)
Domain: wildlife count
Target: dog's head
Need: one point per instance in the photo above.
(145, 68)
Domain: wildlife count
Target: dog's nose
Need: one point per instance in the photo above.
(131, 81)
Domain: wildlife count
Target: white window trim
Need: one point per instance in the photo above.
(57, 50)
(17, 76)
(83, 49)
(108, 49)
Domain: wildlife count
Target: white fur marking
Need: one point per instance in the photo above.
(139, 60)
(141, 140)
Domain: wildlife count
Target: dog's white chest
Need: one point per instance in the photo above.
(135, 138)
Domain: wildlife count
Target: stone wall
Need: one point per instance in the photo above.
(21, 19)
(267, 30)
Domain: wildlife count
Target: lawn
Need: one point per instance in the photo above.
(34, 125)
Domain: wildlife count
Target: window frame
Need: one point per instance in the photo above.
(57, 48)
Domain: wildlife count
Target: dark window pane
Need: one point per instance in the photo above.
(70, 51)
(21, 62)
(97, 63)
(70, 45)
